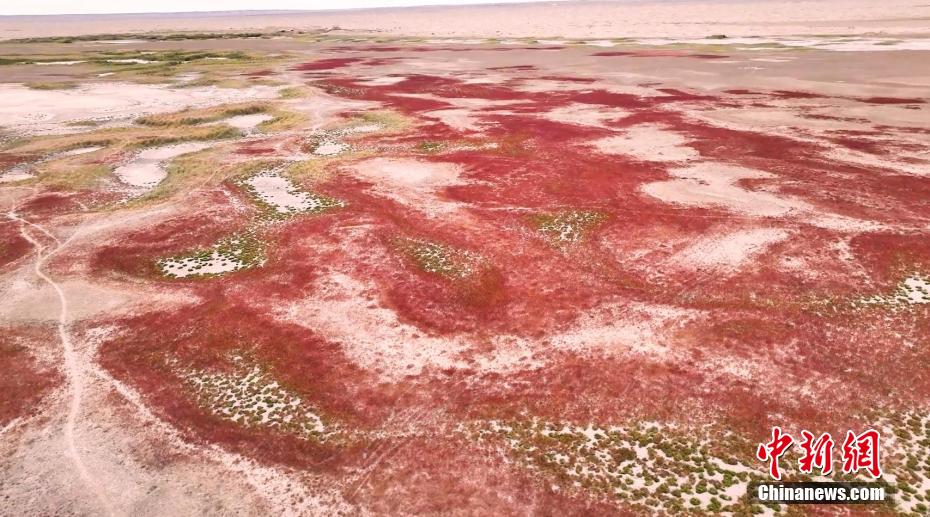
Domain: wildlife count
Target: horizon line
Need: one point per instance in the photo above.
(467, 3)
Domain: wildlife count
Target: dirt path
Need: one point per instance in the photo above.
(74, 371)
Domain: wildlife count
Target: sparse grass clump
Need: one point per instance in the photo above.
(568, 226)
(251, 397)
(236, 252)
(441, 259)
(431, 147)
(201, 116)
(912, 291)
(63, 85)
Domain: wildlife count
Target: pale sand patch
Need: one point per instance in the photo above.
(648, 142)
(26, 300)
(457, 118)
(916, 166)
(79, 150)
(29, 111)
(551, 85)
(585, 114)
(322, 108)
(620, 329)
(63, 63)
(18, 173)
(463, 102)
(385, 80)
(346, 311)
(711, 184)
(730, 250)
(412, 182)
(715, 184)
(247, 122)
(577, 20)
(130, 61)
(330, 148)
(146, 170)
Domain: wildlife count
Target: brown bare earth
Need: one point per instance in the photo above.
(578, 263)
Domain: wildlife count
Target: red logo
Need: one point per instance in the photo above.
(860, 452)
(774, 450)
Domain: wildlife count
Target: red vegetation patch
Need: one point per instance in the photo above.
(12, 244)
(51, 203)
(891, 100)
(24, 381)
(10, 160)
(327, 64)
(657, 53)
(209, 218)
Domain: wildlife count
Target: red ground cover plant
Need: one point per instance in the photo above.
(25, 382)
(12, 244)
(788, 324)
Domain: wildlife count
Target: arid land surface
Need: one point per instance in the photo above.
(327, 272)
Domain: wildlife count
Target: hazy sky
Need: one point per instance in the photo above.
(8, 7)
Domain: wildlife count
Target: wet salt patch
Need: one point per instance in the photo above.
(63, 63)
(600, 43)
(130, 61)
(120, 41)
(648, 143)
(49, 111)
(331, 148)
(282, 195)
(18, 173)
(146, 170)
(585, 114)
(80, 150)
(457, 41)
(386, 80)
(826, 43)
(730, 250)
(247, 122)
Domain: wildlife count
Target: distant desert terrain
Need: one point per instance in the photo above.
(549, 259)
(570, 19)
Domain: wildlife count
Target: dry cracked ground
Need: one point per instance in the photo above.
(324, 274)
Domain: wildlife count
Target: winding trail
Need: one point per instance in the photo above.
(74, 371)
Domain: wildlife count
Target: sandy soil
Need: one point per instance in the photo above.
(573, 20)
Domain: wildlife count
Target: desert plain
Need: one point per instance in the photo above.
(278, 266)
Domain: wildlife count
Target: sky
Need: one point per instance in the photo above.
(12, 7)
